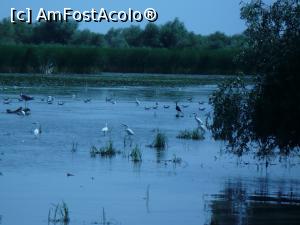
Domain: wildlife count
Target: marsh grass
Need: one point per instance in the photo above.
(195, 134)
(107, 151)
(59, 213)
(160, 141)
(136, 154)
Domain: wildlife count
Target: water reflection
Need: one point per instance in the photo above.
(256, 202)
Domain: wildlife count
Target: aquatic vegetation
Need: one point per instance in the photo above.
(176, 160)
(104, 220)
(195, 134)
(94, 151)
(136, 154)
(160, 141)
(107, 151)
(59, 213)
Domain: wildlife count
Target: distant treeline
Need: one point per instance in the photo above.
(61, 47)
(70, 59)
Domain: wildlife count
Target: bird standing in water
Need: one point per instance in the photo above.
(137, 102)
(199, 122)
(26, 98)
(38, 130)
(105, 129)
(178, 110)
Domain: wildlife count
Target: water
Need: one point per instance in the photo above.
(208, 187)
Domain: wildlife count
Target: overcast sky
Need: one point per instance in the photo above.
(200, 16)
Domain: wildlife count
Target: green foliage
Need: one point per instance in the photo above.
(195, 134)
(83, 60)
(136, 154)
(266, 118)
(160, 141)
(107, 151)
(172, 34)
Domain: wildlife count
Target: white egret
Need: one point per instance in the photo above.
(128, 130)
(105, 129)
(199, 122)
(137, 102)
(38, 130)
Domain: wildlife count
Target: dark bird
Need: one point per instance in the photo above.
(87, 100)
(26, 97)
(178, 109)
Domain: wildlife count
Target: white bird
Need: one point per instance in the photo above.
(105, 129)
(199, 122)
(50, 99)
(37, 131)
(137, 102)
(128, 130)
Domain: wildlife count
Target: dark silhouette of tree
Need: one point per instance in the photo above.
(268, 115)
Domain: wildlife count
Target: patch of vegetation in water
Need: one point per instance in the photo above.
(107, 151)
(195, 134)
(136, 154)
(59, 213)
(160, 141)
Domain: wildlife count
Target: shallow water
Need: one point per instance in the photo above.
(197, 191)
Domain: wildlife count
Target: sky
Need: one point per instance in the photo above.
(200, 16)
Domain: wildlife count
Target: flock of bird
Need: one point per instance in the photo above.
(129, 132)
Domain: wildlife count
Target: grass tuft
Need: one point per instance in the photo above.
(136, 154)
(59, 214)
(160, 141)
(195, 134)
(107, 151)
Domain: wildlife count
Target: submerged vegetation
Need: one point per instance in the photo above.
(196, 134)
(59, 213)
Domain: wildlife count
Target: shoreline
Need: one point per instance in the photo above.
(111, 79)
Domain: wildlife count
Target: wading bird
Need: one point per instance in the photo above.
(137, 102)
(129, 134)
(105, 129)
(199, 122)
(128, 130)
(50, 100)
(26, 98)
(38, 130)
(178, 110)
(156, 106)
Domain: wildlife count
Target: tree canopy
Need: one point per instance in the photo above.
(264, 119)
(172, 34)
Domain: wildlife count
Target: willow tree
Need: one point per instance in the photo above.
(266, 118)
